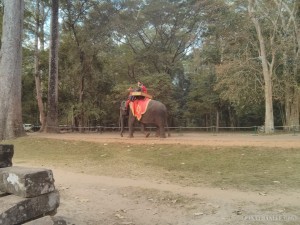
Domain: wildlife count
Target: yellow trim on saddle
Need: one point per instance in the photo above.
(139, 93)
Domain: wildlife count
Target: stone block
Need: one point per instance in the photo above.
(26, 182)
(6, 155)
(2, 194)
(48, 220)
(17, 210)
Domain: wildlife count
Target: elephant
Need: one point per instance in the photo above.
(156, 115)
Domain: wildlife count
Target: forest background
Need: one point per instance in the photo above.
(211, 62)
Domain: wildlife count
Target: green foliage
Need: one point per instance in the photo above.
(197, 57)
(160, 86)
(202, 100)
(29, 104)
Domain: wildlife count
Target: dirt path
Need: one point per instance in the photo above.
(224, 139)
(94, 200)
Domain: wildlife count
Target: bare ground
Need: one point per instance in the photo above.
(93, 200)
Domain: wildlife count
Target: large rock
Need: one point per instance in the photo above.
(55, 220)
(26, 182)
(2, 194)
(48, 220)
(6, 154)
(17, 210)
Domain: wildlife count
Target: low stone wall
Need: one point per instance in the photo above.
(27, 195)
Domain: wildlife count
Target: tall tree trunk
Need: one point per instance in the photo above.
(291, 97)
(267, 69)
(290, 31)
(231, 117)
(82, 90)
(52, 111)
(292, 107)
(38, 82)
(217, 120)
(11, 124)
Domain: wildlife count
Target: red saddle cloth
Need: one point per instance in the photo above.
(139, 107)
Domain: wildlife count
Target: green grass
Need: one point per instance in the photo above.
(244, 168)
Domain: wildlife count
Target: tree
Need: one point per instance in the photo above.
(39, 19)
(223, 28)
(159, 33)
(35, 62)
(52, 110)
(11, 125)
(82, 84)
(289, 36)
(278, 37)
(156, 37)
(267, 62)
(37, 73)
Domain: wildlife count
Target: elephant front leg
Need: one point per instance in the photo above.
(130, 126)
(130, 132)
(122, 129)
(121, 122)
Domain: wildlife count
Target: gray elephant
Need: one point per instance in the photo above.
(156, 115)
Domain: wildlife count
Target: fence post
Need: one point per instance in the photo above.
(255, 130)
(180, 131)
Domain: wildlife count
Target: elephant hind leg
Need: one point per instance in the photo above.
(162, 133)
(143, 128)
(168, 130)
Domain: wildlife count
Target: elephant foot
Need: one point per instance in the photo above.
(163, 136)
(147, 135)
(130, 136)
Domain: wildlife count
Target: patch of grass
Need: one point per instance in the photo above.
(238, 167)
(73, 154)
(245, 168)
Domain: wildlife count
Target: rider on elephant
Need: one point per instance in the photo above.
(142, 87)
(130, 97)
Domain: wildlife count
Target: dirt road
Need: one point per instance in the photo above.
(93, 200)
(223, 139)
